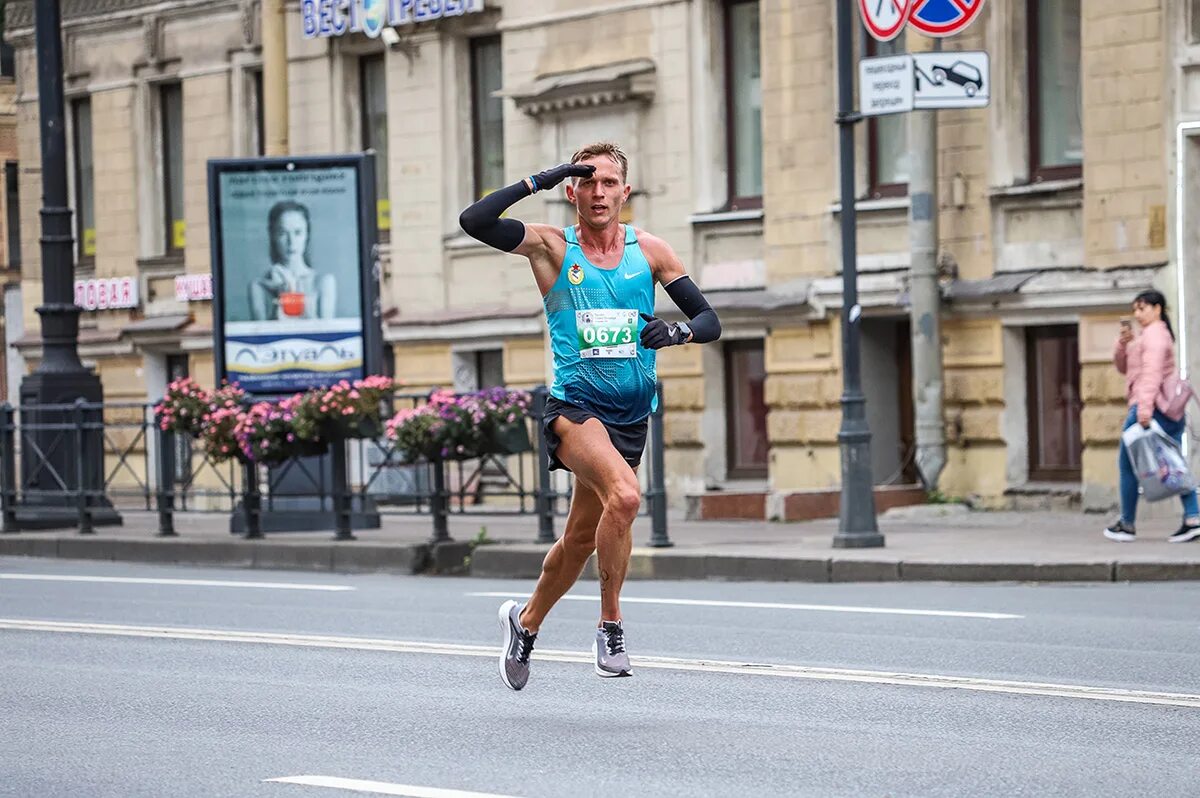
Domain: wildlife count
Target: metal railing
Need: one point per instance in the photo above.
(83, 462)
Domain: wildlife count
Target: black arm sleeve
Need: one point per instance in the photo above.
(706, 327)
(482, 220)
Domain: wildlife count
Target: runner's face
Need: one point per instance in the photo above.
(599, 198)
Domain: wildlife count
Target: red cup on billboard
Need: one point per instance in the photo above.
(292, 303)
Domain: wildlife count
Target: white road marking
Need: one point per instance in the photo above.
(130, 580)
(381, 787)
(1078, 691)
(769, 605)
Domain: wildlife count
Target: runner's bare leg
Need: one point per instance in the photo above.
(587, 450)
(566, 558)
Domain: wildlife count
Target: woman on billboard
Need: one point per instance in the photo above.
(291, 287)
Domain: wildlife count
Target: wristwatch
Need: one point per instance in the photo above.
(686, 330)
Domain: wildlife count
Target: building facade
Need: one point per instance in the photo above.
(1055, 205)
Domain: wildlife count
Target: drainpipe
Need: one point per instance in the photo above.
(925, 308)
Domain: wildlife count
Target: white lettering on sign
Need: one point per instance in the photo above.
(322, 19)
(193, 287)
(111, 293)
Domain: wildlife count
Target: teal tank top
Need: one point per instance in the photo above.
(594, 321)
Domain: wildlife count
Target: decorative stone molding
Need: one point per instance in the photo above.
(19, 13)
(248, 12)
(627, 81)
(151, 28)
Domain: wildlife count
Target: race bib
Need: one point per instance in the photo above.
(607, 333)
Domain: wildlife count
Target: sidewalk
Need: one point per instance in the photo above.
(923, 543)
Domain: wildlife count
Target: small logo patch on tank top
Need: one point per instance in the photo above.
(575, 274)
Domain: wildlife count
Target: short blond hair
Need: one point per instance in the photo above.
(608, 148)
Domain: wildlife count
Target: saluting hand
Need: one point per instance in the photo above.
(555, 175)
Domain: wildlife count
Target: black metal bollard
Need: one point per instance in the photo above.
(79, 417)
(440, 505)
(251, 501)
(545, 497)
(657, 494)
(166, 482)
(8, 469)
(341, 490)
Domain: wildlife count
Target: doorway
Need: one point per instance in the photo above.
(1054, 405)
(746, 410)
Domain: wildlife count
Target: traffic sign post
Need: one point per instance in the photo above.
(857, 526)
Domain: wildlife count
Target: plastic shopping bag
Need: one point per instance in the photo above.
(1158, 462)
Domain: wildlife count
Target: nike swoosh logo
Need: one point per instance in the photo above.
(631, 276)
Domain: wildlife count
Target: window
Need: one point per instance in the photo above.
(257, 133)
(7, 64)
(487, 115)
(171, 107)
(374, 132)
(746, 410)
(887, 138)
(12, 217)
(1194, 21)
(478, 370)
(743, 87)
(1056, 104)
(1055, 442)
(85, 185)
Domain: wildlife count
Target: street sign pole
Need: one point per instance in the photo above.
(857, 527)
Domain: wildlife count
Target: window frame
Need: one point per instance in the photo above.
(473, 46)
(1039, 172)
(82, 258)
(169, 248)
(364, 122)
(876, 189)
(734, 201)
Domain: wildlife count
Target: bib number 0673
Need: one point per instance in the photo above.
(604, 336)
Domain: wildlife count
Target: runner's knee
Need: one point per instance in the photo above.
(625, 499)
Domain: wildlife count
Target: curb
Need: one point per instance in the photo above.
(344, 557)
(524, 561)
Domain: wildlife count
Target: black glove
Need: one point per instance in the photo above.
(658, 333)
(555, 175)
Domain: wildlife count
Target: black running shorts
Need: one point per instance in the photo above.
(628, 439)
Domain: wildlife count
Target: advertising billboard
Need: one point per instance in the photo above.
(295, 277)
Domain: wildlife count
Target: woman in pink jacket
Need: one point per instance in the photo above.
(1148, 361)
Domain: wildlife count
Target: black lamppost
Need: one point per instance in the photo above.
(856, 521)
(57, 456)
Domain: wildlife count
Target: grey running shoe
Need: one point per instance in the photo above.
(518, 645)
(609, 648)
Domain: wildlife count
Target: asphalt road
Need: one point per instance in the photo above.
(166, 687)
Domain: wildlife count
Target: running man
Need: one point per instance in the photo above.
(597, 282)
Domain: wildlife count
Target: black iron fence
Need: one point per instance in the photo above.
(79, 465)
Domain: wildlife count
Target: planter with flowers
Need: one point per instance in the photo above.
(216, 434)
(183, 407)
(462, 427)
(345, 410)
(266, 433)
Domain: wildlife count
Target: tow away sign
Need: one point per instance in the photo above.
(921, 81)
